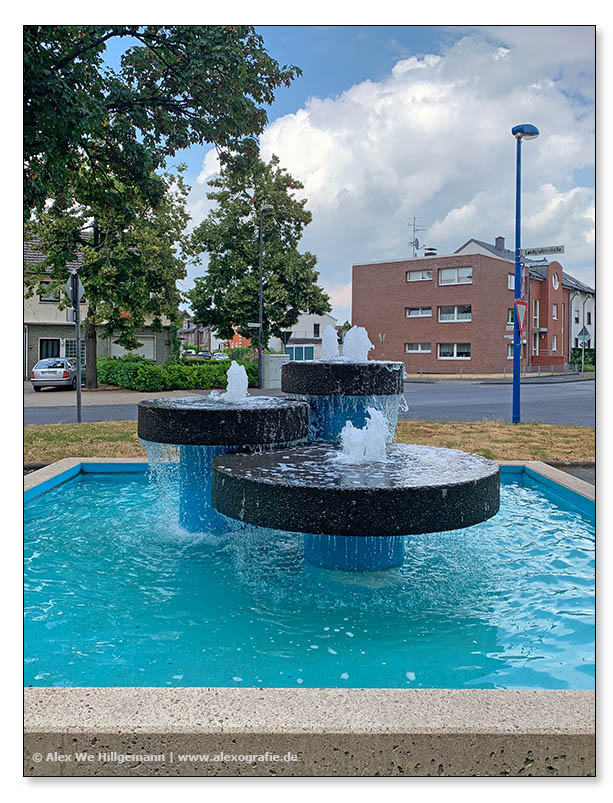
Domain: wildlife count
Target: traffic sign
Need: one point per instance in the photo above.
(521, 310)
(584, 344)
(584, 333)
(69, 289)
(547, 249)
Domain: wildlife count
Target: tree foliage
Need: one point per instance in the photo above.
(129, 273)
(177, 85)
(227, 296)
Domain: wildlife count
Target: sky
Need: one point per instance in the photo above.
(391, 122)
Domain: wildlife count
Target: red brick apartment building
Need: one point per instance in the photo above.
(443, 313)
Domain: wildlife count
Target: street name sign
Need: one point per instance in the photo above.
(253, 325)
(547, 249)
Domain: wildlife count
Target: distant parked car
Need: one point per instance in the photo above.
(219, 355)
(56, 372)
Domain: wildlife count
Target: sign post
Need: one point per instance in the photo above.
(75, 292)
(584, 336)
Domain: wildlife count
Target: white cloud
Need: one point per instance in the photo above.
(436, 133)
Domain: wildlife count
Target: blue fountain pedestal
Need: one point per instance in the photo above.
(350, 553)
(329, 414)
(196, 512)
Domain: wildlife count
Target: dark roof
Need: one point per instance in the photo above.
(32, 257)
(537, 269)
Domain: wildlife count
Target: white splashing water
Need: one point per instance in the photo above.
(356, 345)
(366, 445)
(238, 383)
(329, 344)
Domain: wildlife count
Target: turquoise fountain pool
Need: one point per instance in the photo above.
(118, 594)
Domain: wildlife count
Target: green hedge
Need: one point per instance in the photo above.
(140, 374)
(590, 356)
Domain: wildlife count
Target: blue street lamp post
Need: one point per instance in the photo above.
(523, 131)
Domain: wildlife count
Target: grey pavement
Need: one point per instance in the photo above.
(551, 403)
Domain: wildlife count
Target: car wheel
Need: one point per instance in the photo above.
(36, 390)
(74, 383)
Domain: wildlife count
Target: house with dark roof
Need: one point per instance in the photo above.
(455, 312)
(47, 331)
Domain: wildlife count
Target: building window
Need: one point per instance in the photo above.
(454, 351)
(458, 312)
(300, 352)
(535, 344)
(555, 280)
(70, 349)
(588, 318)
(315, 330)
(554, 343)
(536, 306)
(509, 351)
(418, 275)
(576, 318)
(418, 312)
(510, 315)
(46, 295)
(511, 281)
(455, 276)
(417, 348)
(554, 312)
(576, 342)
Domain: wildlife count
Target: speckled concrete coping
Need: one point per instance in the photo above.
(330, 732)
(311, 732)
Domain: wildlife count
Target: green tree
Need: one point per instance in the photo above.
(227, 296)
(129, 272)
(177, 86)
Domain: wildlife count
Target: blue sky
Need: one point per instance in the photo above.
(386, 119)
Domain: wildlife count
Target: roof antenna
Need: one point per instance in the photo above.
(413, 224)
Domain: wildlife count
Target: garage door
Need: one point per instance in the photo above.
(147, 349)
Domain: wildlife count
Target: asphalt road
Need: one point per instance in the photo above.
(561, 403)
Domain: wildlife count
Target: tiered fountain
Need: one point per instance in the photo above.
(351, 492)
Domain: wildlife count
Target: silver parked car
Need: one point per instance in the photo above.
(56, 372)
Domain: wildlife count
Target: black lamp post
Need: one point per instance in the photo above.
(265, 208)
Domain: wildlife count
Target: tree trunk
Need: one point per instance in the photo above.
(91, 351)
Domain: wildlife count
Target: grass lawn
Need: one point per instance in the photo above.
(500, 441)
(48, 442)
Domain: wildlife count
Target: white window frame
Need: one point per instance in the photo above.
(536, 309)
(455, 351)
(554, 312)
(555, 281)
(576, 316)
(419, 350)
(422, 312)
(414, 277)
(457, 276)
(535, 344)
(511, 317)
(455, 319)
(70, 344)
(509, 351)
(554, 342)
(510, 281)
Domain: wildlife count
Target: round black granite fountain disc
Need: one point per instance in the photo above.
(418, 489)
(204, 421)
(318, 378)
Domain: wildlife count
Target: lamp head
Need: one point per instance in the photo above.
(267, 208)
(525, 131)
